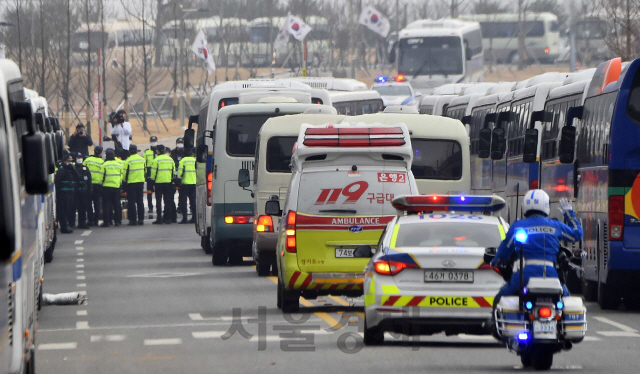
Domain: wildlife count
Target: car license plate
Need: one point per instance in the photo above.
(544, 327)
(448, 276)
(344, 252)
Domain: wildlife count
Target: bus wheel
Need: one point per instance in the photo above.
(280, 290)
(263, 265)
(206, 242)
(608, 298)
(31, 365)
(290, 301)
(589, 289)
(219, 257)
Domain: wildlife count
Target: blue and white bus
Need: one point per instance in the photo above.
(23, 177)
(607, 183)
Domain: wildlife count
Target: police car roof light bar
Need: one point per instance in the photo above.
(421, 203)
(354, 137)
(382, 79)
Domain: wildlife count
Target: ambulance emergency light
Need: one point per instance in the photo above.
(355, 136)
(459, 203)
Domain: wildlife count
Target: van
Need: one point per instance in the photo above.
(271, 175)
(343, 180)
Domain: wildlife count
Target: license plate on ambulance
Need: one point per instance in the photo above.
(544, 327)
(448, 276)
(344, 252)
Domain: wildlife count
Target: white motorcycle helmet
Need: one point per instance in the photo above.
(535, 200)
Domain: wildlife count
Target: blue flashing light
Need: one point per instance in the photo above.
(524, 290)
(523, 336)
(560, 305)
(521, 236)
(529, 305)
(382, 79)
(462, 198)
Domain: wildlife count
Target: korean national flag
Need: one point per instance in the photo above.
(282, 39)
(297, 28)
(201, 49)
(375, 21)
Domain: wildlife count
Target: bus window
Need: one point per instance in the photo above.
(279, 151)
(436, 159)
(242, 131)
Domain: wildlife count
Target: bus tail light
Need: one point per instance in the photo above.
(209, 185)
(616, 217)
(291, 244)
(547, 50)
(264, 224)
(388, 267)
(237, 219)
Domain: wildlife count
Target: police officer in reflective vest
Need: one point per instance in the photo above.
(94, 164)
(82, 199)
(162, 173)
(65, 180)
(149, 155)
(134, 178)
(111, 189)
(187, 175)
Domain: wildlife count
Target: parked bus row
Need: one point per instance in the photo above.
(575, 136)
(30, 144)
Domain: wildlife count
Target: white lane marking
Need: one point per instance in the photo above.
(79, 260)
(79, 248)
(621, 334)
(81, 285)
(163, 341)
(591, 339)
(162, 275)
(81, 277)
(616, 324)
(81, 313)
(207, 334)
(199, 317)
(80, 253)
(86, 233)
(52, 346)
(108, 338)
(80, 271)
(82, 325)
(78, 242)
(84, 293)
(476, 337)
(79, 266)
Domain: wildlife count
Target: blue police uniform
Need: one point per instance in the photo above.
(542, 244)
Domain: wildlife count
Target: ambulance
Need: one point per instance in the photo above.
(343, 180)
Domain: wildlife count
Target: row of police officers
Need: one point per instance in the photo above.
(92, 187)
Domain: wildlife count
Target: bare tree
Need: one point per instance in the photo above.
(621, 19)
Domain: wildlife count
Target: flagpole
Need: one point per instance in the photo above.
(304, 59)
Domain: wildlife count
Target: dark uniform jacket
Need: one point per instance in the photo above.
(66, 179)
(84, 185)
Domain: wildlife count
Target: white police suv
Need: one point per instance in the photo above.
(427, 274)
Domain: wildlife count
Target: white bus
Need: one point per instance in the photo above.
(23, 176)
(440, 150)
(500, 36)
(430, 53)
(263, 32)
(357, 102)
(223, 95)
(88, 38)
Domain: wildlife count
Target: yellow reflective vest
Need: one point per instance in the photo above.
(134, 169)
(163, 169)
(94, 164)
(187, 170)
(112, 174)
(149, 155)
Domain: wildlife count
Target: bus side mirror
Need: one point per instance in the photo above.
(35, 164)
(466, 120)
(567, 144)
(467, 52)
(541, 116)
(244, 179)
(572, 113)
(484, 143)
(189, 136)
(201, 153)
(272, 208)
(391, 55)
(59, 144)
(498, 143)
(193, 119)
(208, 134)
(530, 152)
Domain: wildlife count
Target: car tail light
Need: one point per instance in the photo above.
(386, 267)
(237, 219)
(544, 312)
(489, 267)
(291, 244)
(209, 185)
(264, 224)
(616, 217)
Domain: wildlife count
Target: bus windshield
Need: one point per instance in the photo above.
(242, 131)
(440, 55)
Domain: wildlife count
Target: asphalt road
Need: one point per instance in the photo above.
(157, 305)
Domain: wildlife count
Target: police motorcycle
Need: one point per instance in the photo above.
(539, 321)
